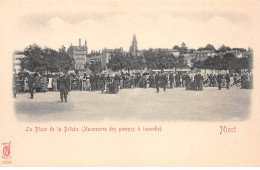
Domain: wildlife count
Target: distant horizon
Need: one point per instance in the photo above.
(89, 50)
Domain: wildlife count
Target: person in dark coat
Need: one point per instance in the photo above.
(171, 79)
(188, 81)
(64, 87)
(227, 80)
(123, 75)
(97, 83)
(219, 80)
(200, 82)
(108, 78)
(196, 83)
(164, 81)
(102, 81)
(178, 80)
(151, 81)
(144, 81)
(32, 84)
(157, 81)
(246, 79)
(117, 83)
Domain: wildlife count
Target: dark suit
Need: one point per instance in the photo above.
(157, 82)
(164, 81)
(219, 80)
(228, 81)
(171, 78)
(64, 87)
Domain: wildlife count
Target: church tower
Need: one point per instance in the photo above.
(133, 48)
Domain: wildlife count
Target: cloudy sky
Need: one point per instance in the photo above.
(111, 24)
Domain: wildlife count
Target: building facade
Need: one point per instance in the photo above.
(17, 56)
(79, 54)
(204, 54)
(102, 57)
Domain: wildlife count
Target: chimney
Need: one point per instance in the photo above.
(79, 42)
(86, 43)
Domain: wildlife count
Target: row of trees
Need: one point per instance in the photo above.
(39, 59)
(164, 60)
(226, 62)
(150, 59)
(183, 48)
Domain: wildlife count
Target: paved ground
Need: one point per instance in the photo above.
(137, 104)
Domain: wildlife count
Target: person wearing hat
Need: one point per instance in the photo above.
(63, 87)
(32, 83)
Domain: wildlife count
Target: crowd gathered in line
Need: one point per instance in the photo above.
(97, 82)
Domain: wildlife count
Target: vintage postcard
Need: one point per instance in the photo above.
(129, 83)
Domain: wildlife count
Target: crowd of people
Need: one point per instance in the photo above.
(111, 84)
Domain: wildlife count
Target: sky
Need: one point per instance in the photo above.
(111, 23)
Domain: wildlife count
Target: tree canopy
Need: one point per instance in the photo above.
(208, 47)
(94, 66)
(226, 62)
(37, 59)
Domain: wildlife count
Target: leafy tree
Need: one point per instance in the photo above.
(209, 63)
(180, 61)
(198, 64)
(33, 60)
(183, 48)
(210, 47)
(139, 62)
(160, 59)
(37, 59)
(64, 62)
(94, 66)
(224, 48)
(229, 61)
(176, 47)
(117, 62)
(50, 58)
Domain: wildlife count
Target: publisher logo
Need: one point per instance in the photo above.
(7, 150)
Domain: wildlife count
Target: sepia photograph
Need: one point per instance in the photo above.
(78, 70)
(130, 84)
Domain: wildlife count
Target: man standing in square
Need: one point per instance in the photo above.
(64, 87)
(227, 80)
